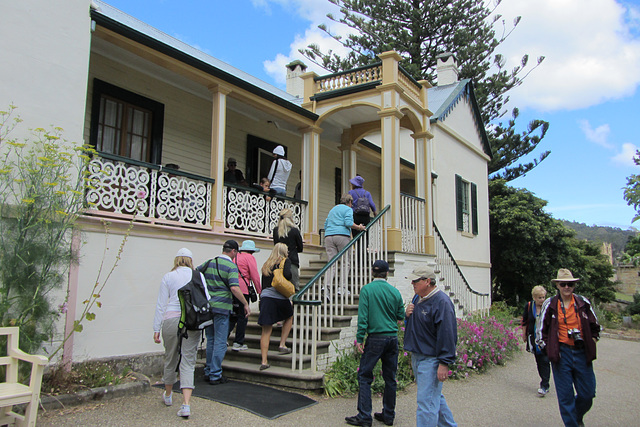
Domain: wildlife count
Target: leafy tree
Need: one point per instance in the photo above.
(420, 31)
(633, 245)
(41, 196)
(594, 270)
(527, 243)
(632, 189)
(528, 246)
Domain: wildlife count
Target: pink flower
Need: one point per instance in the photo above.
(62, 308)
(141, 194)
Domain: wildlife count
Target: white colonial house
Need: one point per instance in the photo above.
(146, 100)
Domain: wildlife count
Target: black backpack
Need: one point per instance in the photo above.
(194, 305)
(362, 205)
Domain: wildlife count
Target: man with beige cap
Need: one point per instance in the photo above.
(568, 334)
(431, 336)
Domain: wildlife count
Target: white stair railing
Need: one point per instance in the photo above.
(324, 298)
(465, 298)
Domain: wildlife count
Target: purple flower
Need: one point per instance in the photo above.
(62, 308)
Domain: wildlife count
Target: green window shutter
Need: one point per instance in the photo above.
(459, 202)
(474, 208)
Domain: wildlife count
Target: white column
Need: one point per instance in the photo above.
(218, 136)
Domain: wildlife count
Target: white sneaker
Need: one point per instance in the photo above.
(239, 347)
(542, 392)
(185, 411)
(168, 400)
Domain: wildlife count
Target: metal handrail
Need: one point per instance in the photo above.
(464, 279)
(296, 298)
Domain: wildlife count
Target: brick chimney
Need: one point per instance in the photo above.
(295, 85)
(447, 69)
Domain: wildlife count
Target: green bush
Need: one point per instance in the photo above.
(634, 308)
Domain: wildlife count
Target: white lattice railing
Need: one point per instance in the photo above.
(123, 187)
(464, 296)
(335, 286)
(248, 211)
(412, 224)
(345, 79)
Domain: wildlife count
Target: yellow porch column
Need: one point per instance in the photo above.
(217, 162)
(310, 181)
(390, 172)
(423, 184)
(349, 159)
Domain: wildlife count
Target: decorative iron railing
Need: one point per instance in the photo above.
(251, 211)
(465, 297)
(125, 187)
(335, 286)
(412, 224)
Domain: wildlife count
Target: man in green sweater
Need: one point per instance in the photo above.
(379, 311)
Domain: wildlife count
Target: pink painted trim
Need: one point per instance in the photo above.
(74, 269)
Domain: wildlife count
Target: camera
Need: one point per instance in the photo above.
(574, 334)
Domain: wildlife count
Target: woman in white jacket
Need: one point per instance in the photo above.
(279, 172)
(166, 320)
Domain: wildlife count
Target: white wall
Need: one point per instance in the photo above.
(45, 57)
(450, 157)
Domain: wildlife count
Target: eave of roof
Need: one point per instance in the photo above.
(115, 20)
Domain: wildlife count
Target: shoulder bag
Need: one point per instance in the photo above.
(280, 283)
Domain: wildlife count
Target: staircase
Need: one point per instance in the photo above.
(244, 365)
(323, 322)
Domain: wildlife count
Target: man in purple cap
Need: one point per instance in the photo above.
(221, 274)
(379, 310)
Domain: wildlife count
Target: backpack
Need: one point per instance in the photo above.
(194, 305)
(362, 205)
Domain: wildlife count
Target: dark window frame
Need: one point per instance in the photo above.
(102, 88)
(472, 196)
(254, 145)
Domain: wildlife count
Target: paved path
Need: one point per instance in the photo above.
(505, 396)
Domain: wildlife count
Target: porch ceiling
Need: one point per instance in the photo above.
(332, 127)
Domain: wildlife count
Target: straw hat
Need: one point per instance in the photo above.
(565, 275)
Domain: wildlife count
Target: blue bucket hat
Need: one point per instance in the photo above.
(249, 246)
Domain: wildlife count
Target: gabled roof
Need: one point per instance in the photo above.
(110, 17)
(443, 99)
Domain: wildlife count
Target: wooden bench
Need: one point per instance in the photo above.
(14, 393)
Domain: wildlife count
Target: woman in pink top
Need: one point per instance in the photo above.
(247, 272)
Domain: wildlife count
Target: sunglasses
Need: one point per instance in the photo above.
(565, 284)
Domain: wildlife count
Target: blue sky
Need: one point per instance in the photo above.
(587, 87)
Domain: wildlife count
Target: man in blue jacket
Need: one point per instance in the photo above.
(431, 336)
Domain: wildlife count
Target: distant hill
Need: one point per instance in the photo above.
(595, 233)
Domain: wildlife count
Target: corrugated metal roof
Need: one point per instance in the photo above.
(129, 21)
(442, 98)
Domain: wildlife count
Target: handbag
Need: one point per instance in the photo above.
(280, 283)
(253, 295)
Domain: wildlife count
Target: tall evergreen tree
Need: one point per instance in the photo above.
(419, 31)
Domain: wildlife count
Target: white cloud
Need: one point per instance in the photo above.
(592, 48)
(625, 157)
(592, 51)
(598, 135)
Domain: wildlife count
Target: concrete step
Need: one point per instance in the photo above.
(253, 341)
(253, 356)
(275, 375)
(326, 334)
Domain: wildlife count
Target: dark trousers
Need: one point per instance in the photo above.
(360, 219)
(237, 318)
(384, 348)
(544, 370)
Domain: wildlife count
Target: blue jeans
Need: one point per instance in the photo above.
(573, 371)
(384, 348)
(432, 407)
(216, 345)
(280, 191)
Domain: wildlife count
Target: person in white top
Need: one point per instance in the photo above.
(166, 321)
(279, 172)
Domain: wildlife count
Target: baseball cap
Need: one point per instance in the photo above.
(230, 244)
(380, 266)
(422, 273)
(184, 252)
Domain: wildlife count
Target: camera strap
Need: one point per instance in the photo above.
(575, 311)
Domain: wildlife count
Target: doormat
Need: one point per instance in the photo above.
(260, 400)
